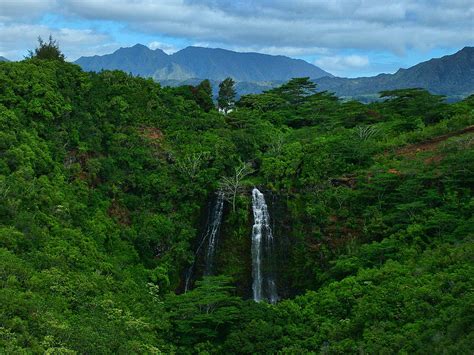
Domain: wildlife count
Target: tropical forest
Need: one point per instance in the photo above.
(138, 218)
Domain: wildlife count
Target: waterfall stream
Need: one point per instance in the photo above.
(212, 232)
(210, 237)
(263, 286)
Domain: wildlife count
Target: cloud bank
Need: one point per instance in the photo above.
(357, 24)
(318, 28)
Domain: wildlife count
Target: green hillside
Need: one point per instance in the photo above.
(104, 183)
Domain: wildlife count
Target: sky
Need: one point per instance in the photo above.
(348, 38)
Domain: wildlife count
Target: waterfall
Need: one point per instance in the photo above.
(263, 286)
(212, 232)
(211, 238)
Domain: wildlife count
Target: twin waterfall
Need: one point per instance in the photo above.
(210, 238)
(263, 258)
(263, 286)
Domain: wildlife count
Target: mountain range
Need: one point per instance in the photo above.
(202, 63)
(451, 75)
(3, 59)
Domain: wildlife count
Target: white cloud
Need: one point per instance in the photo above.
(294, 28)
(14, 10)
(18, 38)
(342, 64)
(165, 47)
(357, 24)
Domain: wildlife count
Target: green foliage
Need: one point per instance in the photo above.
(203, 94)
(226, 96)
(104, 178)
(295, 91)
(205, 313)
(47, 50)
(416, 102)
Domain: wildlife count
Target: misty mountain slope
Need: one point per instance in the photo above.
(138, 60)
(205, 63)
(449, 75)
(219, 63)
(452, 72)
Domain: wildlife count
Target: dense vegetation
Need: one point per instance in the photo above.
(104, 179)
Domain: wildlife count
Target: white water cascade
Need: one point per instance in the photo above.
(212, 232)
(263, 286)
(210, 237)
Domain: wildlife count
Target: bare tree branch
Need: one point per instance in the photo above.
(191, 164)
(232, 186)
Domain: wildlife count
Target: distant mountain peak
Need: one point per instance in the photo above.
(202, 62)
(451, 75)
(139, 48)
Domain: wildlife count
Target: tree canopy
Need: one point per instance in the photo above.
(47, 50)
(105, 185)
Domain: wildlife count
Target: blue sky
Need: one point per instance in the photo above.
(344, 37)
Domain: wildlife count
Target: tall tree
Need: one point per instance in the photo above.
(226, 98)
(295, 90)
(47, 50)
(205, 313)
(203, 95)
